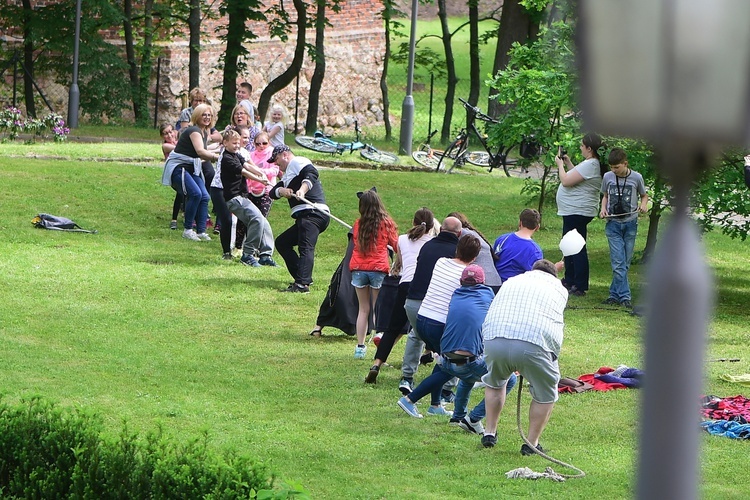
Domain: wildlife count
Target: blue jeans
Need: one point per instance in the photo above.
(468, 374)
(430, 332)
(621, 238)
(196, 198)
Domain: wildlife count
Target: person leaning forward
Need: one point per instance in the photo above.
(523, 331)
(299, 182)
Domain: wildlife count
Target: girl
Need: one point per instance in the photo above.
(259, 192)
(275, 127)
(405, 262)
(169, 141)
(372, 233)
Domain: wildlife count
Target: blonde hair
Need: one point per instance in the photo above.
(198, 114)
(196, 93)
(280, 109)
(242, 108)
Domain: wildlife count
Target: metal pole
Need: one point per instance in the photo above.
(15, 76)
(156, 97)
(407, 108)
(74, 95)
(429, 120)
(296, 104)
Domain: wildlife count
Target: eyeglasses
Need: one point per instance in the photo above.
(207, 115)
(261, 144)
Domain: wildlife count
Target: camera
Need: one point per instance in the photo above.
(561, 152)
(619, 208)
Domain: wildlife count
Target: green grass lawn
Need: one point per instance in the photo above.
(138, 324)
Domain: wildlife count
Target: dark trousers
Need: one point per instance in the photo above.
(577, 266)
(223, 218)
(303, 235)
(396, 324)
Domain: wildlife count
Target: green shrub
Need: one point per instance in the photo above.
(48, 452)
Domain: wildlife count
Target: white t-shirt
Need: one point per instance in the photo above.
(446, 279)
(583, 198)
(276, 139)
(409, 251)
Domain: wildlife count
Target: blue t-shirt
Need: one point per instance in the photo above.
(516, 255)
(463, 325)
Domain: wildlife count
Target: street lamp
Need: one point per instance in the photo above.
(407, 107)
(675, 72)
(74, 94)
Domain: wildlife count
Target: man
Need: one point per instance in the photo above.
(523, 332)
(443, 245)
(516, 252)
(299, 182)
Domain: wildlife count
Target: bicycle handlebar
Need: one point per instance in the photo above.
(478, 112)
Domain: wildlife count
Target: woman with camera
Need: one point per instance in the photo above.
(578, 204)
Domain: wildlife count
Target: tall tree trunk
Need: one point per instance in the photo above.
(515, 26)
(236, 18)
(194, 25)
(450, 67)
(147, 60)
(28, 59)
(311, 123)
(294, 68)
(130, 55)
(474, 82)
(387, 14)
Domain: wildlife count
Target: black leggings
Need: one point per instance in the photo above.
(396, 326)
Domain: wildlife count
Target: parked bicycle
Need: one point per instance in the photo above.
(458, 152)
(323, 143)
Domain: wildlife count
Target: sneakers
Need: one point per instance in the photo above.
(237, 252)
(440, 411)
(576, 291)
(627, 304)
(204, 237)
(189, 234)
(266, 260)
(372, 375)
(359, 351)
(405, 386)
(227, 256)
(447, 397)
(471, 427)
(217, 228)
(611, 301)
(409, 407)
(526, 449)
(173, 225)
(296, 288)
(489, 440)
(249, 260)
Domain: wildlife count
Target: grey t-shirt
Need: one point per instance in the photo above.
(628, 189)
(583, 198)
(485, 260)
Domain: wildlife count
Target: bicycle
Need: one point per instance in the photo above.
(429, 157)
(457, 150)
(323, 143)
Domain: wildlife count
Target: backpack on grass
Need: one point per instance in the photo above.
(47, 221)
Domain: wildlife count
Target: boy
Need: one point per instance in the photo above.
(234, 171)
(244, 90)
(516, 252)
(620, 207)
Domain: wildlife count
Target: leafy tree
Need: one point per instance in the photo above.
(140, 74)
(280, 26)
(238, 12)
(392, 28)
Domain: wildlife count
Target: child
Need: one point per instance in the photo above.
(620, 207)
(169, 141)
(372, 233)
(234, 171)
(244, 90)
(259, 191)
(275, 127)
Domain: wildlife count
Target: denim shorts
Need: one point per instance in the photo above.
(373, 279)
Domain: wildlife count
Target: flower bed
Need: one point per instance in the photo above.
(13, 124)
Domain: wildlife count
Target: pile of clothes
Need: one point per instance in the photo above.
(605, 379)
(729, 417)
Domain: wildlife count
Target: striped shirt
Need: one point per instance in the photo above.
(446, 278)
(529, 307)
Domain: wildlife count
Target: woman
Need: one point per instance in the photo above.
(405, 262)
(486, 258)
(373, 233)
(183, 171)
(578, 204)
(169, 141)
(241, 118)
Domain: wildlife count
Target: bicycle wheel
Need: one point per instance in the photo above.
(478, 158)
(372, 154)
(315, 144)
(456, 152)
(426, 159)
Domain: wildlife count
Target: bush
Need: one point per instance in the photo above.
(46, 452)
(13, 124)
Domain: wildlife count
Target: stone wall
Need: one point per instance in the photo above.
(354, 49)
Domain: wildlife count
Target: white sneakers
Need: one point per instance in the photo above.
(190, 234)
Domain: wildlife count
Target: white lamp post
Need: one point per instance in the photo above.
(676, 72)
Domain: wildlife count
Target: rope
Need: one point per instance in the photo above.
(525, 472)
